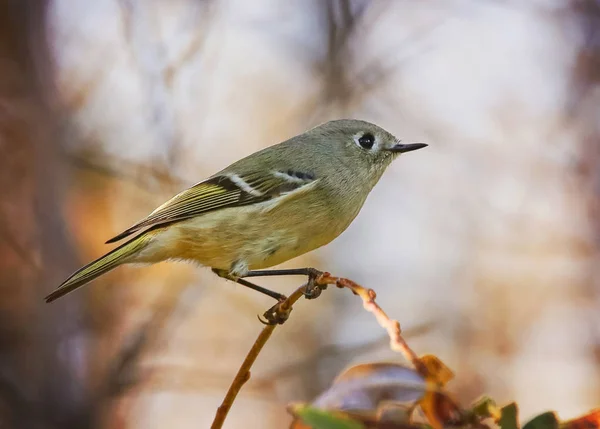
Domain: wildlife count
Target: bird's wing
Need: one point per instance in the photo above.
(221, 191)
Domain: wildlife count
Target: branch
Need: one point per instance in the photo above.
(397, 342)
(280, 312)
(243, 374)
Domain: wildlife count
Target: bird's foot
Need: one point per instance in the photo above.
(313, 288)
(278, 314)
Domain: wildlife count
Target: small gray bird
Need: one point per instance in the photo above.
(262, 210)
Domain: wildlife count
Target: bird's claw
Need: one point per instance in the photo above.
(276, 315)
(313, 289)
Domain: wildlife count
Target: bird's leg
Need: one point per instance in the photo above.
(275, 315)
(287, 272)
(312, 289)
(275, 295)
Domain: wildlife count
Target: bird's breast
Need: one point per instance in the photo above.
(257, 236)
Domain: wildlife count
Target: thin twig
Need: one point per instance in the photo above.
(342, 354)
(397, 342)
(243, 374)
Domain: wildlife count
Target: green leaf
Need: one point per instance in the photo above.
(546, 420)
(320, 419)
(509, 417)
(486, 407)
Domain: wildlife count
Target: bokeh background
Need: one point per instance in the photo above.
(484, 245)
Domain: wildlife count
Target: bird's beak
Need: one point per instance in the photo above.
(401, 148)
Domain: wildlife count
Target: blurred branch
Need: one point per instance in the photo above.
(586, 71)
(197, 43)
(584, 110)
(342, 22)
(149, 56)
(142, 176)
(349, 74)
(125, 371)
(19, 250)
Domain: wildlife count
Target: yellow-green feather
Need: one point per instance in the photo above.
(217, 192)
(100, 266)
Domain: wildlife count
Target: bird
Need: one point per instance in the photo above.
(267, 208)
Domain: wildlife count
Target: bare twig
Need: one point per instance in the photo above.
(342, 354)
(243, 374)
(397, 343)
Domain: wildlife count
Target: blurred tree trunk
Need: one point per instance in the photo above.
(39, 346)
(585, 112)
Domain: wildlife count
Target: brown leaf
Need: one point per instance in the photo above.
(589, 421)
(365, 386)
(437, 371)
(440, 409)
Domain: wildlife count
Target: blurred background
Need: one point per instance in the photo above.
(484, 246)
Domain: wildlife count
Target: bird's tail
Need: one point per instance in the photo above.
(112, 259)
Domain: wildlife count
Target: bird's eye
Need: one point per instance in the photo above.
(366, 141)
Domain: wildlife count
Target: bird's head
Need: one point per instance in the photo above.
(362, 146)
